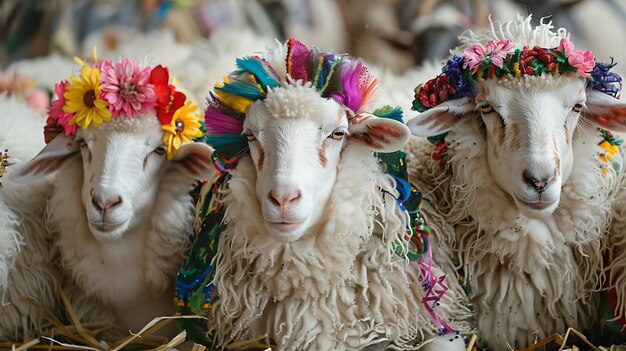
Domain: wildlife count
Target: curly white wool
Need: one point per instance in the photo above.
(338, 283)
(518, 266)
(25, 259)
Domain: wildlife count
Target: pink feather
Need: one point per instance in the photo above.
(358, 86)
(218, 123)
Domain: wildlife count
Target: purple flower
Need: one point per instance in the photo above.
(456, 76)
(604, 80)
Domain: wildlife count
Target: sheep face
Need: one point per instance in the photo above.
(529, 134)
(122, 169)
(529, 127)
(123, 164)
(295, 139)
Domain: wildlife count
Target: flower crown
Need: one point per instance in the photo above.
(122, 89)
(339, 77)
(500, 59)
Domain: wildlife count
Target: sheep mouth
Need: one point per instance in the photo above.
(106, 228)
(285, 226)
(540, 205)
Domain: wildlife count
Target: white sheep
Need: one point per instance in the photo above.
(120, 211)
(528, 180)
(26, 270)
(312, 222)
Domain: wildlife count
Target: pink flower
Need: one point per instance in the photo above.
(56, 110)
(495, 53)
(566, 46)
(583, 61)
(126, 88)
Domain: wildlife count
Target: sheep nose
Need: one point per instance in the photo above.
(104, 205)
(285, 200)
(537, 182)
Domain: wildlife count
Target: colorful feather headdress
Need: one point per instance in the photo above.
(500, 59)
(338, 77)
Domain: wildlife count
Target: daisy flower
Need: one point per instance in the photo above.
(82, 99)
(494, 52)
(184, 126)
(126, 88)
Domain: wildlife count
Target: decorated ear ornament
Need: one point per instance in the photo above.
(338, 77)
(500, 59)
(116, 90)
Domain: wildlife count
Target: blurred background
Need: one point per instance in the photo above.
(198, 39)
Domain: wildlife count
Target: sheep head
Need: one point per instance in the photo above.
(298, 108)
(123, 163)
(529, 128)
(528, 101)
(130, 127)
(296, 138)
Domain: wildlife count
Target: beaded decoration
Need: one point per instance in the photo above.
(417, 232)
(4, 163)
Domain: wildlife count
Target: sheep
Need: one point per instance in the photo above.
(26, 270)
(312, 249)
(522, 185)
(120, 210)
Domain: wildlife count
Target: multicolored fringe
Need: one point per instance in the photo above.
(417, 233)
(195, 291)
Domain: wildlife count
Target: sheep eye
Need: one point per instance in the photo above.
(337, 134)
(81, 143)
(578, 107)
(249, 135)
(159, 150)
(485, 107)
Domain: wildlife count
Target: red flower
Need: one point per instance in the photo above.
(536, 58)
(168, 99)
(434, 92)
(52, 129)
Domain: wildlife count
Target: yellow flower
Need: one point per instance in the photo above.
(185, 126)
(611, 150)
(82, 99)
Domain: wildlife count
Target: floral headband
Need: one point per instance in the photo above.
(339, 77)
(500, 59)
(122, 89)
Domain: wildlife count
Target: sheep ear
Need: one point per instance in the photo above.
(605, 111)
(379, 134)
(441, 118)
(194, 161)
(52, 158)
